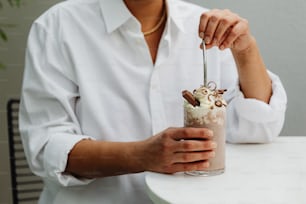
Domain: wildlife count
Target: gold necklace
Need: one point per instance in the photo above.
(157, 26)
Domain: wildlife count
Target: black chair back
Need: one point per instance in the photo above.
(26, 187)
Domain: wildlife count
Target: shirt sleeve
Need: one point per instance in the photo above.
(251, 120)
(47, 120)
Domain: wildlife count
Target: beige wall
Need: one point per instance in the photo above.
(12, 55)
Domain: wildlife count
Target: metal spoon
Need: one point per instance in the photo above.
(204, 62)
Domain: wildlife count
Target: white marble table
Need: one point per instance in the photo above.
(255, 174)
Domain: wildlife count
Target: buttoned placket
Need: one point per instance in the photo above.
(156, 104)
(158, 114)
(157, 108)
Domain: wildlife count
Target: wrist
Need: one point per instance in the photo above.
(251, 47)
(136, 156)
(249, 59)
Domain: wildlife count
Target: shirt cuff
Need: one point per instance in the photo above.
(258, 111)
(253, 121)
(56, 157)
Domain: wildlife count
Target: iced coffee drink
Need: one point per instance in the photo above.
(206, 108)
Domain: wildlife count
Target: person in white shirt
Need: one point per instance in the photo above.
(101, 99)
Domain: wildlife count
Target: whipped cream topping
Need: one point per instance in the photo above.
(210, 98)
(211, 108)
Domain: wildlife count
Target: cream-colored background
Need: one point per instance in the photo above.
(279, 27)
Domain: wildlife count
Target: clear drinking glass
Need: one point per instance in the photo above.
(213, 118)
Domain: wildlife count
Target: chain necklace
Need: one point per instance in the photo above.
(157, 26)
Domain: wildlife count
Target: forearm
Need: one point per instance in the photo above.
(91, 159)
(253, 77)
(172, 150)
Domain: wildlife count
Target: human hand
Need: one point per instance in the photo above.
(177, 150)
(225, 29)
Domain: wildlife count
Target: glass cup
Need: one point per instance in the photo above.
(213, 118)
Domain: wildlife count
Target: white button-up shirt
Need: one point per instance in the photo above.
(89, 74)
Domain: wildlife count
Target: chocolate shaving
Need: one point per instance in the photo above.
(190, 98)
(221, 91)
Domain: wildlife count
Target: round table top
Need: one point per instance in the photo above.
(255, 173)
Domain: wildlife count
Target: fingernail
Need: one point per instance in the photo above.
(215, 41)
(222, 47)
(207, 40)
(213, 145)
(210, 133)
(201, 35)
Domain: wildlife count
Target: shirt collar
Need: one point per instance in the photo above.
(115, 14)
(174, 14)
